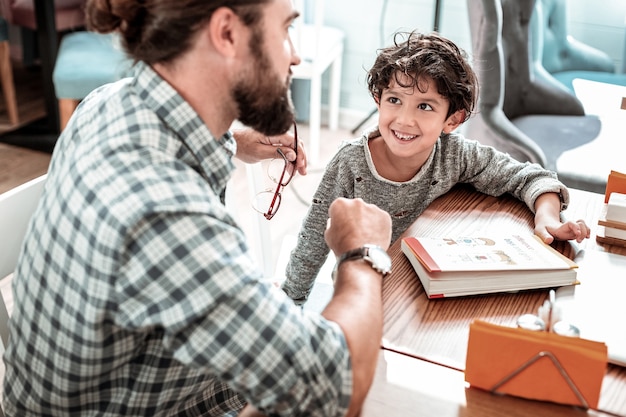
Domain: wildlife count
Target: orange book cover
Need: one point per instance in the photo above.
(616, 183)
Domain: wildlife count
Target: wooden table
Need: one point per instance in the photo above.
(436, 331)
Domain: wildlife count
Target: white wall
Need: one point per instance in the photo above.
(602, 27)
(364, 36)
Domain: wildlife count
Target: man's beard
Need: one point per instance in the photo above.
(264, 101)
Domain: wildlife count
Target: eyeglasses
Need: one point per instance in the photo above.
(281, 171)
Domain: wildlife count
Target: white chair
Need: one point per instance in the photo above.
(320, 48)
(261, 227)
(262, 245)
(16, 208)
(256, 226)
(322, 289)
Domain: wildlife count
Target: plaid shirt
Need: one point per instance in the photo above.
(135, 292)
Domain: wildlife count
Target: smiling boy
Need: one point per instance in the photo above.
(424, 88)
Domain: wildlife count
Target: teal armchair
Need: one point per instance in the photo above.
(534, 118)
(562, 56)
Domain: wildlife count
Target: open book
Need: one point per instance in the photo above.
(456, 266)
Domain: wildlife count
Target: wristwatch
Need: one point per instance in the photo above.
(374, 255)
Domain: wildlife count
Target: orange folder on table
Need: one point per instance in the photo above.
(535, 364)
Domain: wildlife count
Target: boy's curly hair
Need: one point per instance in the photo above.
(421, 56)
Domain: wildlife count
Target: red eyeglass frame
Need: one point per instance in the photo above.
(275, 204)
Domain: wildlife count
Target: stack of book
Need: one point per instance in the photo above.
(464, 265)
(612, 226)
(614, 222)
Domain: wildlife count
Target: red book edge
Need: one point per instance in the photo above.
(421, 254)
(435, 296)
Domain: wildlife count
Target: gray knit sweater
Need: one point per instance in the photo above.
(351, 173)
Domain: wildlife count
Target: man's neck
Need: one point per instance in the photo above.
(207, 92)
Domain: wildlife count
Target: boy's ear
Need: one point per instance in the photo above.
(454, 121)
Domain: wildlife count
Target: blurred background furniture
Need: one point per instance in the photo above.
(564, 57)
(42, 23)
(86, 60)
(6, 74)
(526, 116)
(69, 15)
(321, 49)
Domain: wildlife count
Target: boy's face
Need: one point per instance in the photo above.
(411, 121)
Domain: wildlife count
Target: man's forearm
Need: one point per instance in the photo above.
(356, 307)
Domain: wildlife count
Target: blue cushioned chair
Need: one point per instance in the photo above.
(561, 55)
(85, 61)
(68, 15)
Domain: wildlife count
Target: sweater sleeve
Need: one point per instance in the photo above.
(495, 173)
(310, 253)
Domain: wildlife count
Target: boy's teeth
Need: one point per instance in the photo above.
(404, 137)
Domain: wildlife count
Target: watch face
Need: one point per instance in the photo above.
(380, 259)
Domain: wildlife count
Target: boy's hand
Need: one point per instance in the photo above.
(548, 224)
(569, 230)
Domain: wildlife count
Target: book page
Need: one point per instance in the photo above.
(477, 253)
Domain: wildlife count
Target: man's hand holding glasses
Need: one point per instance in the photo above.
(253, 147)
(288, 158)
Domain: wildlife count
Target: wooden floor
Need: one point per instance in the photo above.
(19, 164)
(30, 100)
